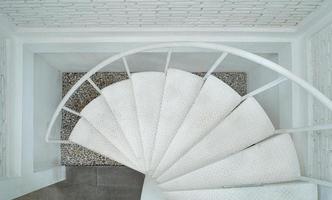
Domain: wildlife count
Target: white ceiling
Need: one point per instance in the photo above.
(157, 13)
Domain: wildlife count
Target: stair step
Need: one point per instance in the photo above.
(148, 90)
(151, 191)
(180, 91)
(214, 102)
(100, 116)
(246, 125)
(288, 191)
(120, 98)
(87, 136)
(271, 161)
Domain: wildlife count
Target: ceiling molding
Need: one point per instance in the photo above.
(170, 29)
(116, 47)
(129, 37)
(155, 35)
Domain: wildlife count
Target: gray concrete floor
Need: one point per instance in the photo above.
(93, 183)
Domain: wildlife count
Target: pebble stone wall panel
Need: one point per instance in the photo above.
(157, 13)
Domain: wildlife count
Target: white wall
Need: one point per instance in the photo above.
(269, 100)
(303, 66)
(27, 180)
(47, 95)
(3, 113)
(320, 74)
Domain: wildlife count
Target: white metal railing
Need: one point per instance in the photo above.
(224, 50)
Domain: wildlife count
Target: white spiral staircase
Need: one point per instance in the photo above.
(194, 138)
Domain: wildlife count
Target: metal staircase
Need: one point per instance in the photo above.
(193, 137)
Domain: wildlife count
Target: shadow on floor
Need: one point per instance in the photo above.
(93, 183)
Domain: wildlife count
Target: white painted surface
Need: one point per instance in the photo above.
(87, 136)
(101, 117)
(148, 90)
(154, 61)
(325, 193)
(3, 113)
(299, 107)
(99, 114)
(271, 161)
(151, 191)
(320, 74)
(181, 89)
(290, 191)
(26, 179)
(257, 77)
(17, 186)
(195, 61)
(69, 38)
(252, 126)
(120, 99)
(213, 103)
(302, 109)
(12, 105)
(263, 163)
(15, 107)
(45, 41)
(47, 94)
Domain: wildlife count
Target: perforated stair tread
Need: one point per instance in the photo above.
(271, 161)
(87, 136)
(214, 102)
(246, 125)
(288, 191)
(100, 116)
(180, 91)
(121, 100)
(148, 90)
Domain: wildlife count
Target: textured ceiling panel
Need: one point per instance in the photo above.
(157, 13)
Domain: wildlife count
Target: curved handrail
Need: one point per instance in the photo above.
(218, 47)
